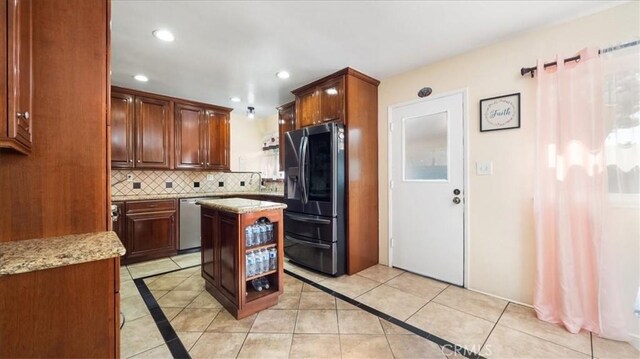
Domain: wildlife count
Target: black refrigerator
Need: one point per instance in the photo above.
(314, 221)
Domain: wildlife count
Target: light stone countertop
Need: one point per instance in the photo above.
(193, 195)
(240, 205)
(45, 253)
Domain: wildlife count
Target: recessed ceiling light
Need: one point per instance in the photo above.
(235, 99)
(282, 74)
(141, 78)
(163, 35)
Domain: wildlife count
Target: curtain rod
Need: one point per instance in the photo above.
(531, 70)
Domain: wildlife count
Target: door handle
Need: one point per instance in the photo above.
(305, 243)
(456, 200)
(308, 220)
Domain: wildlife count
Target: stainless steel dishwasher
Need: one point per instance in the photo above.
(190, 223)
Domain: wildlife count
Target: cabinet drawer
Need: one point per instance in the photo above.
(150, 206)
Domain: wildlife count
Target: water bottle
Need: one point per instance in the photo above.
(258, 258)
(248, 233)
(273, 259)
(251, 264)
(256, 234)
(257, 284)
(269, 232)
(264, 283)
(266, 264)
(263, 233)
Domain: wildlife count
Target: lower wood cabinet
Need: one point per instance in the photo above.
(224, 257)
(64, 312)
(150, 230)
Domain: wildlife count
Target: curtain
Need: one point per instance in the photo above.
(578, 282)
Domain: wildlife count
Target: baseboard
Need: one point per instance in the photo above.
(499, 297)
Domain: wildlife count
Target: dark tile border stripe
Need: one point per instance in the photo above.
(443, 343)
(169, 335)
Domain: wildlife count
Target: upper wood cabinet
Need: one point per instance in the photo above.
(122, 115)
(16, 114)
(322, 101)
(286, 123)
(151, 131)
(218, 139)
(190, 126)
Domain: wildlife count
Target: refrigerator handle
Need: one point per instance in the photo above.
(303, 169)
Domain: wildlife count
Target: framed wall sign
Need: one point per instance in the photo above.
(500, 113)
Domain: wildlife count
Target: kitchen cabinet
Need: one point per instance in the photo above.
(141, 130)
(190, 126)
(151, 230)
(217, 139)
(122, 115)
(152, 131)
(153, 122)
(16, 113)
(224, 252)
(351, 97)
(324, 101)
(286, 123)
(202, 137)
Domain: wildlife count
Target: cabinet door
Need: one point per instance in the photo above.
(332, 100)
(189, 136)
(286, 123)
(151, 235)
(153, 128)
(122, 112)
(210, 246)
(307, 108)
(218, 134)
(17, 132)
(229, 256)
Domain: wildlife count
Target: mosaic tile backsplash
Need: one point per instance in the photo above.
(182, 182)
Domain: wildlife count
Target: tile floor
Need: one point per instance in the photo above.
(310, 323)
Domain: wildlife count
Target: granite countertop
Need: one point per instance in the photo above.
(44, 253)
(240, 205)
(193, 195)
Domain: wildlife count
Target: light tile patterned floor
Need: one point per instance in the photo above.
(309, 323)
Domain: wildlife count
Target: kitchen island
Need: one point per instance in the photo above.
(242, 253)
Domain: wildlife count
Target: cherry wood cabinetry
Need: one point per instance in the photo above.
(224, 260)
(122, 115)
(323, 101)
(152, 131)
(190, 126)
(351, 97)
(151, 230)
(286, 123)
(217, 139)
(65, 312)
(16, 112)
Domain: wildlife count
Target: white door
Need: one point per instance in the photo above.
(427, 187)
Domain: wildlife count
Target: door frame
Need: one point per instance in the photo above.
(465, 176)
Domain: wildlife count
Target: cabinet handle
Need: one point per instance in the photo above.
(208, 163)
(138, 161)
(130, 160)
(24, 115)
(201, 163)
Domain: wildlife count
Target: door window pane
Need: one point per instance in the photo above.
(319, 167)
(424, 147)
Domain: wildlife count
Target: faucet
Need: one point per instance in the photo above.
(259, 180)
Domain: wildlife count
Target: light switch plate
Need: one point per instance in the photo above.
(484, 168)
(209, 177)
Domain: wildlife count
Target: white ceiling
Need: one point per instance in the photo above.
(225, 49)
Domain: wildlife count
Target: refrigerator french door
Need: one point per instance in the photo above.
(314, 193)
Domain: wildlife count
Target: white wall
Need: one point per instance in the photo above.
(246, 138)
(501, 234)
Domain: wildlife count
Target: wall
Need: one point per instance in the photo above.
(500, 232)
(246, 138)
(61, 187)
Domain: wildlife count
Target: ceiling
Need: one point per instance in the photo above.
(226, 49)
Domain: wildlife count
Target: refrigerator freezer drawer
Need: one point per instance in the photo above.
(311, 227)
(317, 255)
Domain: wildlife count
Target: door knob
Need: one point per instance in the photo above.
(456, 200)
(456, 191)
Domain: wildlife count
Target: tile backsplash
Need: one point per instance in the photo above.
(180, 182)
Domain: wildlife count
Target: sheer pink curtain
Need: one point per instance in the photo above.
(570, 190)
